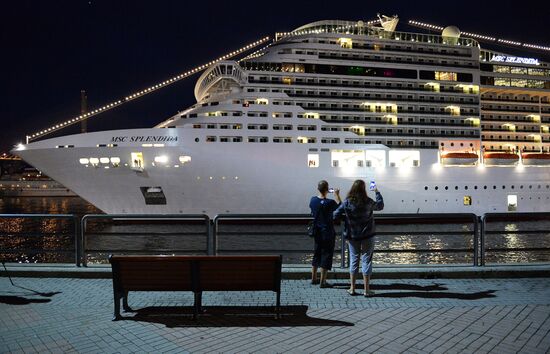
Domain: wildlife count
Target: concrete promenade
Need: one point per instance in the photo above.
(41, 315)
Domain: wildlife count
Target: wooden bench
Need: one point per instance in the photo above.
(194, 273)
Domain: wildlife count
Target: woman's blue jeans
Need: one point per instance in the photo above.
(364, 249)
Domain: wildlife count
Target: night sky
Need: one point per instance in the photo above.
(51, 50)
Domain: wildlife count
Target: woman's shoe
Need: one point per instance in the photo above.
(368, 293)
(351, 292)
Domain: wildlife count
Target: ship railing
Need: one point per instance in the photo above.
(507, 233)
(379, 32)
(20, 234)
(157, 233)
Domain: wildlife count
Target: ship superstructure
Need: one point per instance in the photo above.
(440, 124)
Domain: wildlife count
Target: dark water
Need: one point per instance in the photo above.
(52, 240)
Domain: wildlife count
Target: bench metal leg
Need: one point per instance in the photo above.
(125, 303)
(117, 316)
(278, 307)
(197, 305)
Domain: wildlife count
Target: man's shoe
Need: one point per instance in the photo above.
(325, 285)
(315, 282)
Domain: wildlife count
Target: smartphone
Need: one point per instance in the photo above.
(331, 190)
(372, 185)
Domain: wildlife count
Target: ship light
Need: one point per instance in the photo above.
(475, 121)
(313, 115)
(84, 161)
(161, 159)
(94, 160)
(115, 161)
(432, 86)
(262, 101)
(20, 147)
(185, 159)
(454, 110)
(104, 159)
(437, 167)
(345, 42)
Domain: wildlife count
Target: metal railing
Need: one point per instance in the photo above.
(511, 232)
(127, 219)
(290, 229)
(6, 231)
(290, 233)
(429, 219)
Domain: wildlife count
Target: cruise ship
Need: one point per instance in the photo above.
(440, 124)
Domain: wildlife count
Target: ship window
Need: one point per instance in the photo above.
(137, 160)
(84, 161)
(313, 160)
(512, 202)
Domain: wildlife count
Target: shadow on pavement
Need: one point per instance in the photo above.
(440, 295)
(232, 316)
(19, 300)
(396, 286)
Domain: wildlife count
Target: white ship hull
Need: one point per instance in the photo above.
(275, 178)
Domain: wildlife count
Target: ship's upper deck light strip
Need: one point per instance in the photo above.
(143, 92)
(479, 36)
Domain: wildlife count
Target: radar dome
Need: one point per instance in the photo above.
(451, 31)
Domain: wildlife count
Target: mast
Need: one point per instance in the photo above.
(83, 110)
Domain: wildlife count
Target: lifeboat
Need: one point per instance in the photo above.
(500, 158)
(459, 158)
(536, 159)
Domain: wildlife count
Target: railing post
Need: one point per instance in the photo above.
(482, 239)
(209, 237)
(343, 252)
(215, 235)
(83, 240)
(476, 241)
(76, 222)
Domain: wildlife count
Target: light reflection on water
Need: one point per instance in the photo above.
(56, 235)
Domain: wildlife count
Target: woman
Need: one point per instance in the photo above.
(359, 231)
(322, 209)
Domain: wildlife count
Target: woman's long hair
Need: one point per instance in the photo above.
(358, 193)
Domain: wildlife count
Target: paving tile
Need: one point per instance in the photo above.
(515, 319)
